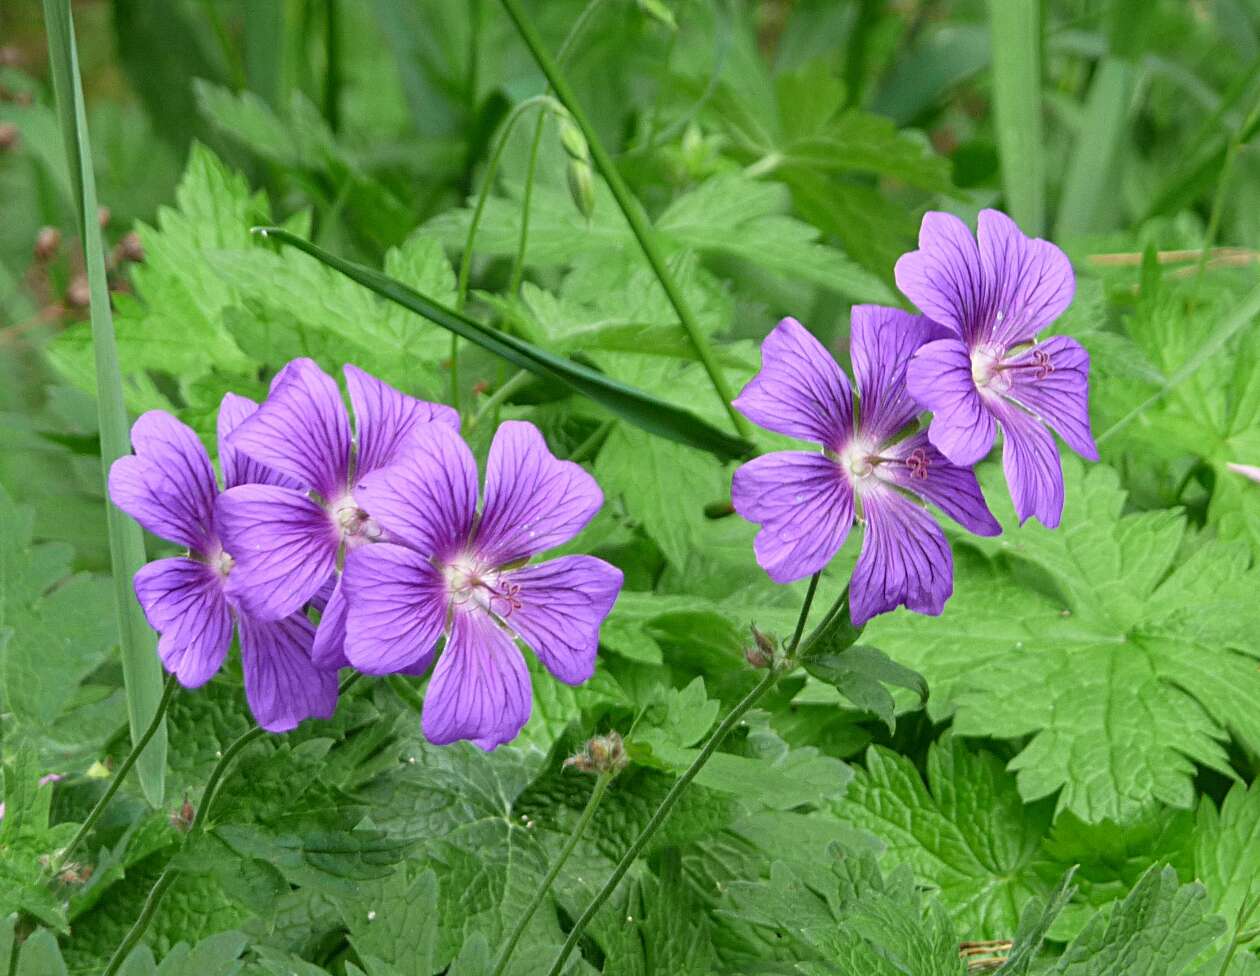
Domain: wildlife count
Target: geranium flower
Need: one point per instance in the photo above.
(168, 486)
(994, 298)
(465, 576)
(806, 503)
(287, 538)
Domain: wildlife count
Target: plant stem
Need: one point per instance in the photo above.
(170, 872)
(1222, 184)
(630, 207)
(592, 443)
(121, 773)
(519, 379)
(592, 804)
(732, 718)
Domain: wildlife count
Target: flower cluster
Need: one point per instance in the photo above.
(379, 533)
(974, 361)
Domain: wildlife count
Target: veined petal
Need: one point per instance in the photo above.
(285, 547)
(237, 468)
(480, 688)
(1031, 280)
(944, 277)
(562, 604)
(329, 650)
(386, 418)
(301, 430)
(881, 343)
(534, 501)
(168, 485)
(1030, 460)
(282, 686)
(939, 378)
(804, 505)
(922, 469)
(183, 601)
(905, 560)
(800, 391)
(1051, 380)
(396, 607)
(428, 499)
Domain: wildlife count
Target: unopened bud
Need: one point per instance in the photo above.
(182, 818)
(602, 754)
(572, 140)
(74, 873)
(762, 652)
(47, 241)
(657, 10)
(102, 216)
(79, 293)
(10, 137)
(130, 249)
(581, 186)
(10, 56)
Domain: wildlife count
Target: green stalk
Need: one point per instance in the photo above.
(592, 804)
(630, 207)
(1222, 184)
(142, 674)
(521, 378)
(1015, 33)
(120, 774)
(732, 718)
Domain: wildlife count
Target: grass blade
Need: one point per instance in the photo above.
(1015, 33)
(141, 671)
(635, 406)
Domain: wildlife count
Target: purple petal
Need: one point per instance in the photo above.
(945, 278)
(800, 390)
(237, 468)
(534, 501)
(282, 686)
(1031, 462)
(428, 499)
(183, 601)
(285, 547)
(480, 688)
(396, 604)
(168, 484)
(1052, 381)
(922, 469)
(562, 604)
(329, 649)
(881, 342)
(301, 430)
(385, 419)
(939, 378)
(905, 560)
(1031, 280)
(804, 506)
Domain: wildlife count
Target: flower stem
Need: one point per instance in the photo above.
(120, 774)
(732, 718)
(592, 804)
(170, 872)
(630, 207)
(521, 378)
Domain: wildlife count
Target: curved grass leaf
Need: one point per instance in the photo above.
(638, 408)
(141, 673)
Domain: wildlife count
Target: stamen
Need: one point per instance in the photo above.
(918, 463)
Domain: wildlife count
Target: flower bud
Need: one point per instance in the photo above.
(572, 140)
(602, 754)
(47, 241)
(657, 10)
(102, 216)
(79, 293)
(182, 818)
(10, 137)
(763, 652)
(129, 248)
(581, 186)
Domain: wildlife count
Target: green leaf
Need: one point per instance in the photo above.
(1227, 849)
(1157, 930)
(859, 673)
(965, 831)
(654, 416)
(401, 927)
(1123, 670)
(1034, 924)
(141, 671)
(41, 956)
(1015, 33)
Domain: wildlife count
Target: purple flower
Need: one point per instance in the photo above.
(453, 572)
(168, 486)
(806, 502)
(287, 537)
(993, 299)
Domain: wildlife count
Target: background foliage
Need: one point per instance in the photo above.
(1092, 690)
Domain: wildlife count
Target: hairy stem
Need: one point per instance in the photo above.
(592, 804)
(630, 207)
(167, 878)
(120, 774)
(732, 718)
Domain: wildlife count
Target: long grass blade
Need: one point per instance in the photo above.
(1016, 38)
(141, 671)
(639, 408)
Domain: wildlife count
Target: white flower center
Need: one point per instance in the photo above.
(469, 582)
(856, 461)
(986, 368)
